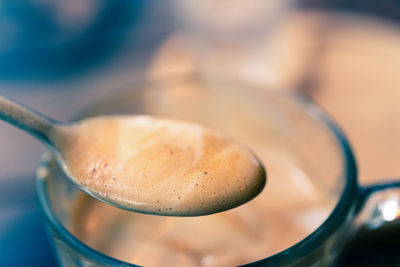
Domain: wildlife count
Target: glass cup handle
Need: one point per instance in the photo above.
(379, 204)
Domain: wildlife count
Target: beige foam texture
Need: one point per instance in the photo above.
(160, 166)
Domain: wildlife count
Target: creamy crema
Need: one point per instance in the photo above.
(160, 166)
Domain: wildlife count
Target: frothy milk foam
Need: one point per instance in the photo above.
(292, 205)
(160, 166)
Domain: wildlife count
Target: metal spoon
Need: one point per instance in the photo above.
(147, 164)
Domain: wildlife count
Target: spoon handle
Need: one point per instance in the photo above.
(27, 119)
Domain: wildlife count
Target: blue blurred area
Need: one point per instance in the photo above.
(388, 9)
(58, 39)
(23, 238)
(60, 43)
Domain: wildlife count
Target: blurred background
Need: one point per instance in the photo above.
(58, 56)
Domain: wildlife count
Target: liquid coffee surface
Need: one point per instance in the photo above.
(285, 212)
(302, 189)
(160, 166)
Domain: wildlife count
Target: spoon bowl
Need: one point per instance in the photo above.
(147, 164)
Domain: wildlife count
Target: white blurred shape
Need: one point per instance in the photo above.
(389, 209)
(228, 17)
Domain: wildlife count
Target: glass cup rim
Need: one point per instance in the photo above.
(290, 255)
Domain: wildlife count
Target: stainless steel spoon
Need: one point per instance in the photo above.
(147, 164)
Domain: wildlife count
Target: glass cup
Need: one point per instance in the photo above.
(282, 128)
